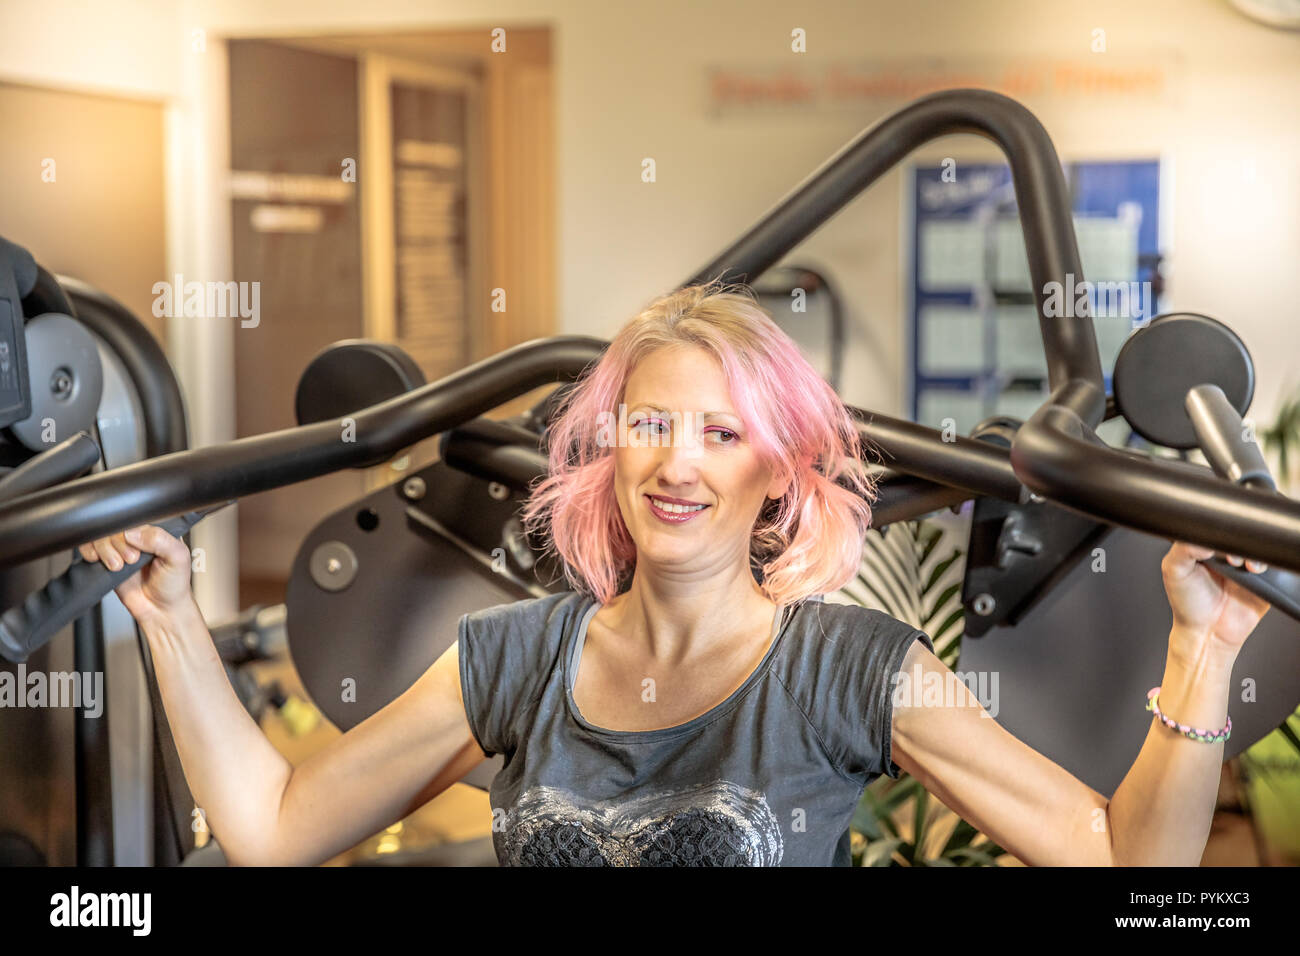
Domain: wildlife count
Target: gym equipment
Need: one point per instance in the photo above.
(80, 365)
(31, 625)
(820, 339)
(378, 587)
(351, 375)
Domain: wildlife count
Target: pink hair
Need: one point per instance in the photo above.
(808, 543)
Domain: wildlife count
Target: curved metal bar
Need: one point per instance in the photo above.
(1056, 455)
(979, 467)
(46, 295)
(51, 520)
(1041, 194)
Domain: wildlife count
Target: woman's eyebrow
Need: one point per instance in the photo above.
(659, 408)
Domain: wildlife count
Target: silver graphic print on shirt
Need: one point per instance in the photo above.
(716, 824)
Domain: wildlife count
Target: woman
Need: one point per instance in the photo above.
(691, 700)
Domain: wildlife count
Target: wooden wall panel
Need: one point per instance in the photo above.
(102, 217)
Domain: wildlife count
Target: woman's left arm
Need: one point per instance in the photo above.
(1163, 808)
(1043, 814)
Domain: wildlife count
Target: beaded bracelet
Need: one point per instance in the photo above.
(1195, 733)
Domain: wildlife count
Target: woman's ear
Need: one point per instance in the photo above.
(780, 485)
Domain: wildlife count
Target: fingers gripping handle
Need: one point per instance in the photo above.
(1221, 434)
(32, 624)
(1278, 587)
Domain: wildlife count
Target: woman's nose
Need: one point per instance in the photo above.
(679, 462)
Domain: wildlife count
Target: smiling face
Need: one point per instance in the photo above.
(688, 481)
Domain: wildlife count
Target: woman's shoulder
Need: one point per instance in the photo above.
(829, 629)
(834, 608)
(838, 664)
(508, 653)
(513, 646)
(530, 615)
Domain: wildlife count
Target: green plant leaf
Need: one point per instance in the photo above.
(1284, 435)
(880, 812)
(930, 537)
(962, 835)
(904, 789)
(939, 570)
(920, 821)
(975, 855)
(942, 601)
(865, 822)
(880, 852)
(880, 576)
(956, 617)
(1285, 730)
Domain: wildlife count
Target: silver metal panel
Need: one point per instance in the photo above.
(131, 722)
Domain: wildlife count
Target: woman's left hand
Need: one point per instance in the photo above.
(1207, 605)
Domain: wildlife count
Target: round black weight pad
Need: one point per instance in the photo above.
(1161, 363)
(352, 375)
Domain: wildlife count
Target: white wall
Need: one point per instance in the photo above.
(630, 82)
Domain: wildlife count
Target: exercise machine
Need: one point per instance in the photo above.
(84, 386)
(377, 588)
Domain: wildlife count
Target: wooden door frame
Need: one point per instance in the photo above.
(376, 74)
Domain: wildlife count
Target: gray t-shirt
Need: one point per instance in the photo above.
(769, 777)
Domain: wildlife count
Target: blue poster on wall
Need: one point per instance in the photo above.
(976, 346)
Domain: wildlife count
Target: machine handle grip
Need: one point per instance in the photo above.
(32, 624)
(69, 459)
(1278, 587)
(1222, 438)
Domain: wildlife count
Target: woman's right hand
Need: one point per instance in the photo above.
(161, 589)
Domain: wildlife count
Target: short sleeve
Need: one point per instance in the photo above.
(506, 653)
(862, 653)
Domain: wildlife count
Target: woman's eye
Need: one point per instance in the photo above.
(654, 422)
(730, 438)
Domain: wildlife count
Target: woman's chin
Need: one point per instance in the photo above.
(663, 548)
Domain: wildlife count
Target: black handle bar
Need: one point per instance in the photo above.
(69, 459)
(1056, 454)
(1219, 432)
(30, 625)
(49, 521)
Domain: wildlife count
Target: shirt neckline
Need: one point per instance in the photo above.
(577, 639)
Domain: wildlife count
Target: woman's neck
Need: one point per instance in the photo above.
(674, 621)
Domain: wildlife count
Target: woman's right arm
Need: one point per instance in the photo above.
(265, 812)
(261, 809)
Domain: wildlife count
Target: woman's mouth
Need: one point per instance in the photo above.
(672, 513)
